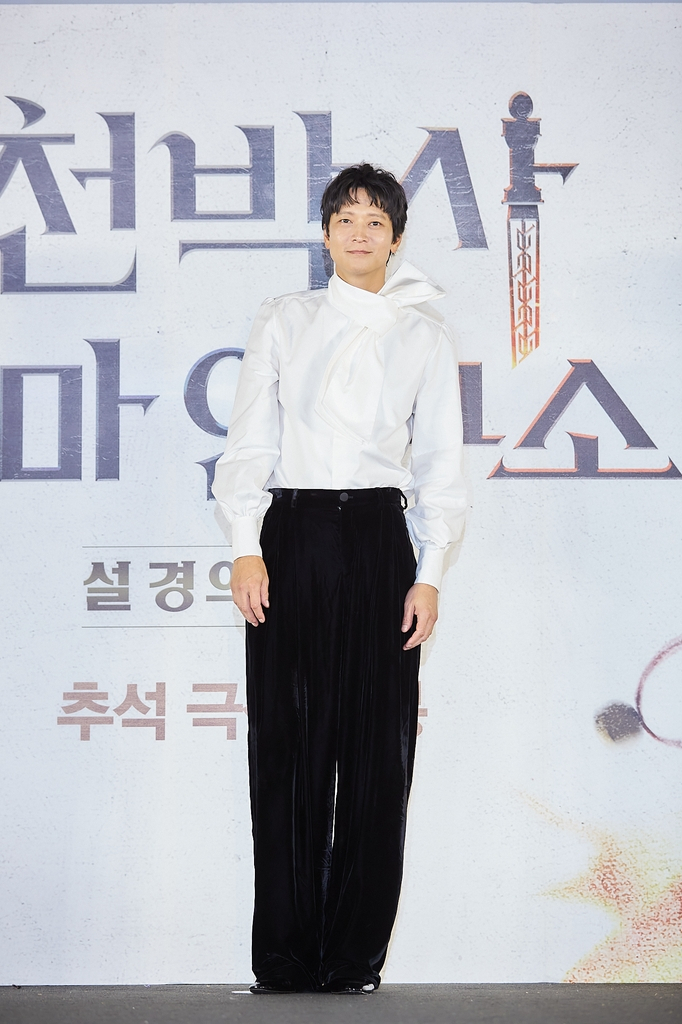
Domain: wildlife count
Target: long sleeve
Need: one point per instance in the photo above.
(437, 519)
(253, 441)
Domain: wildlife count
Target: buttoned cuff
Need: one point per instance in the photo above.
(245, 537)
(430, 566)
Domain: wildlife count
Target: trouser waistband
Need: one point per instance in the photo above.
(304, 497)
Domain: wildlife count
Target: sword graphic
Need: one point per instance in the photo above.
(522, 196)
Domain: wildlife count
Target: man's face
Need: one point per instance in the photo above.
(360, 240)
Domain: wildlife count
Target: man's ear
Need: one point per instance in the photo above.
(396, 245)
(325, 239)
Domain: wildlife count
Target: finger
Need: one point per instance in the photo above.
(265, 592)
(417, 638)
(255, 602)
(408, 616)
(422, 632)
(244, 606)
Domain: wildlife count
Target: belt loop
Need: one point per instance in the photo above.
(403, 501)
(294, 497)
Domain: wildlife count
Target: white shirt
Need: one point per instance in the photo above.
(334, 385)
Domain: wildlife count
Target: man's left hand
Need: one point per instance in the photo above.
(422, 601)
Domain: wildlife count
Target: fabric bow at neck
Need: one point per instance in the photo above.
(351, 384)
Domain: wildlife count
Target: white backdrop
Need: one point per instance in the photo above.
(539, 849)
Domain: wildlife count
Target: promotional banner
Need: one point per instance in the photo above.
(161, 169)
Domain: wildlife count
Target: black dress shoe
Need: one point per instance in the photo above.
(349, 987)
(268, 988)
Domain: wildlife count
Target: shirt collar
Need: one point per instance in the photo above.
(378, 311)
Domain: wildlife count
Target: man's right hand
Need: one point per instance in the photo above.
(250, 584)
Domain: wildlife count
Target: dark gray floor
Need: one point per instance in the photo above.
(392, 1004)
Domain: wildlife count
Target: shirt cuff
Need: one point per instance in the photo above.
(430, 566)
(245, 537)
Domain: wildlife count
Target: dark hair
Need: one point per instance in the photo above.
(382, 187)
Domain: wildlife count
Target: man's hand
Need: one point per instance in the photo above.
(250, 584)
(422, 601)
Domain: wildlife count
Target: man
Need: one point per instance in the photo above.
(347, 404)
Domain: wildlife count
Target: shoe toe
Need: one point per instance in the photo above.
(349, 987)
(261, 988)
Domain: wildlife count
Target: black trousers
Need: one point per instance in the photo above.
(332, 701)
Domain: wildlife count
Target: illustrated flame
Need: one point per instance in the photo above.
(636, 882)
(646, 945)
